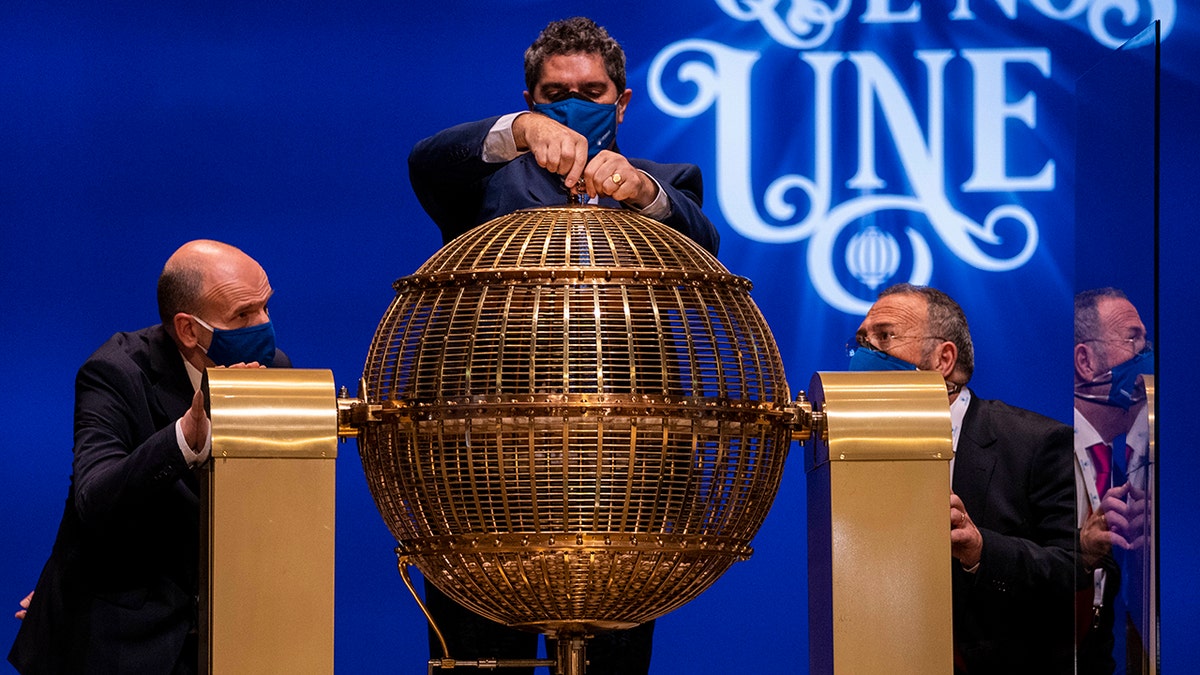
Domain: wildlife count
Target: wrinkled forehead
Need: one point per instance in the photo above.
(234, 286)
(1118, 315)
(900, 313)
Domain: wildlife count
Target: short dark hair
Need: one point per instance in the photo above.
(179, 290)
(577, 35)
(1087, 311)
(946, 320)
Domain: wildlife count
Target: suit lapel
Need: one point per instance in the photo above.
(975, 459)
(543, 188)
(171, 388)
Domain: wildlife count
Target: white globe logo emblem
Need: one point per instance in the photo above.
(872, 256)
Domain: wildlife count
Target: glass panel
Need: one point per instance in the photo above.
(1116, 225)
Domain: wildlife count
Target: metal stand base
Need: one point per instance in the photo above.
(572, 648)
(572, 659)
(572, 654)
(489, 664)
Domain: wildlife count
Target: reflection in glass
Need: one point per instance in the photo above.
(1115, 282)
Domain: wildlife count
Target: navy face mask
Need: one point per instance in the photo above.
(242, 345)
(1124, 379)
(595, 121)
(867, 359)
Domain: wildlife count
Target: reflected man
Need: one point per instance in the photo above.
(1111, 473)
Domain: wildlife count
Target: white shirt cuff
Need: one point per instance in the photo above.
(499, 144)
(192, 457)
(658, 209)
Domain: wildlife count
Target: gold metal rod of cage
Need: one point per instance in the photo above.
(447, 662)
(402, 565)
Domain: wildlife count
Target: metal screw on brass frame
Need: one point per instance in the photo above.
(573, 419)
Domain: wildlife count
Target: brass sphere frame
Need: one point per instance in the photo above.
(575, 419)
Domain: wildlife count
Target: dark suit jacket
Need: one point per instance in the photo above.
(118, 593)
(459, 190)
(1014, 473)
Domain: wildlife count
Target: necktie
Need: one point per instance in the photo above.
(1102, 456)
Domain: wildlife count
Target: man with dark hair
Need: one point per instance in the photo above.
(118, 593)
(1012, 502)
(1111, 472)
(563, 146)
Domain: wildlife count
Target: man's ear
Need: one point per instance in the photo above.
(946, 358)
(622, 103)
(529, 100)
(1085, 363)
(185, 331)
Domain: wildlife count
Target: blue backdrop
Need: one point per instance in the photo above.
(845, 149)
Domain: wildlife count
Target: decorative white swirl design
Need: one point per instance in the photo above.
(807, 24)
(720, 77)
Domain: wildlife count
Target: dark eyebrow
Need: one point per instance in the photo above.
(596, 84)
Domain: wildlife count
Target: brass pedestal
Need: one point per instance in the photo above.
(879, 531)
(267, 523)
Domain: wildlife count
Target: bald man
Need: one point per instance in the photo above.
(119, 591)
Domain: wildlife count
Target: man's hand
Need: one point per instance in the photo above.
(1137, 514)
(610, 174)
(1119, 521)
(556, 147)
(966, 543)
(194, 422)
(24, 605)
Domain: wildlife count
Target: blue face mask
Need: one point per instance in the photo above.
(595, 121)
(865, 359)
(241, 345)
(1124, 379)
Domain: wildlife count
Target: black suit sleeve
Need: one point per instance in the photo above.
(119, 466)
(447, 173)
(684, 186)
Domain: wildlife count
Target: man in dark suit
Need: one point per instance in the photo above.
(563, 146)
(119, 591)
(1012, 504)
(1111, 355)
